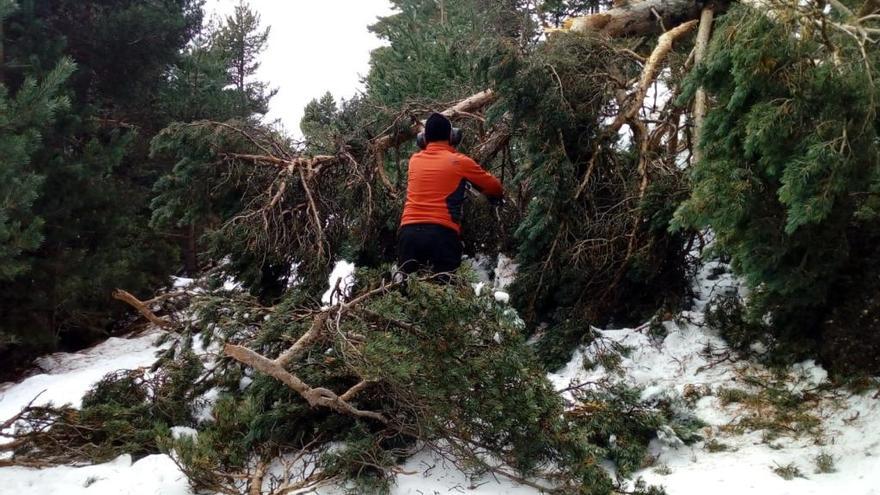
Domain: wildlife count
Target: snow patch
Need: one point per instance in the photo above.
(342, 274)
(66, 377)
(505, 272)
(183, 431)
(181, 282)
(152, 475)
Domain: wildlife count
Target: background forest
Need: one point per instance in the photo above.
(633, 139)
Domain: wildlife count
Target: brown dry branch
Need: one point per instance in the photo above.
(649, 73)
(142, 308)
(311, 337)
(463, 108)
(314, 396)
(629, 112)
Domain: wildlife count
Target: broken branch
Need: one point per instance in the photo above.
(141, 307)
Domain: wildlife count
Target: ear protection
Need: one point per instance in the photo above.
(454, 138)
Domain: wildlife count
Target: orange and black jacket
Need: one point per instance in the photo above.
(438, 178)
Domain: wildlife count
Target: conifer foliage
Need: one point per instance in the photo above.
(77, 79)
(593, 136)
(790, 176)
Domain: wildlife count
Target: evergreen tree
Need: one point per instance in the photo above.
(437, 51)
(24, 117)
(89, 162)
(241, 38)
(212, 82)
(317, 124)
(196, 86)
(791, 171)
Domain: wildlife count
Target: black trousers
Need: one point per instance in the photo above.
(428, 246)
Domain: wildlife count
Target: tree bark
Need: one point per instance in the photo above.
(2, 56)
(190, 251)
(640, 18)
(701, 100)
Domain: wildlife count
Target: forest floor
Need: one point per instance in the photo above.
(762, 431)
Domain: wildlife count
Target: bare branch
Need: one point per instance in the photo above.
(314, 396)
(141, 307)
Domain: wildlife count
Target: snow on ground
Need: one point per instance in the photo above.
(672, 367)
(152, 475)
(430, 474)
(666, 368)
(63, 378)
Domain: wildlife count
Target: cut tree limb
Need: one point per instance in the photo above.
(495, 141)
(639, 18)
(312, 335)
(308, 162)
(649, 73)
(314, 396)
(141, 307)
(464, 107)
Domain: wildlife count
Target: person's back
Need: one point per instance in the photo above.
(438, 179)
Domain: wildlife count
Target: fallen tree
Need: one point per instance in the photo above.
(638, 18)
(341, 395)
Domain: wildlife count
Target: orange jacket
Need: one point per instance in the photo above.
(438, 176)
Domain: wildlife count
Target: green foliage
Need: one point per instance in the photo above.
(624, 435)
(578, 265)
(196, 86)
(74, 221)
(317, 124)
(240, 40)
(126, 412)
(727, 314)
(789, 176)
(449, 369)
(23, 119)
(438, 53)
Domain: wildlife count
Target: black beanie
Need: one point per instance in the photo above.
(437, 128)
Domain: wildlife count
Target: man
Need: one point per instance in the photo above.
(438, 179)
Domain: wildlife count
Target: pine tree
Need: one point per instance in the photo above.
(196, 86)
(317, 124)
(23, 118)
(86, 186)
(790, 175)
(241, 38)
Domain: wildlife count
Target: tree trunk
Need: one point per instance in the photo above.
(190, 252)
(640, 18)
(701, 100)
(2, 58)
